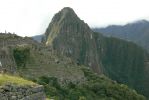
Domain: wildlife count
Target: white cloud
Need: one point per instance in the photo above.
(31, 17)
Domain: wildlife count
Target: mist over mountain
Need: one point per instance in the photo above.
(137, 32)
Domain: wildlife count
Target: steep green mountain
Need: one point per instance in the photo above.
(70, 36)
(137, 32)
(62, 78)
(122, 61)
(126, 62)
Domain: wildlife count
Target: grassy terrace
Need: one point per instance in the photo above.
(5, 79)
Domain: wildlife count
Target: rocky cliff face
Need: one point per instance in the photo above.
(70, 36)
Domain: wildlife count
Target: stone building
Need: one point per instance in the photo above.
(6, 60)
(8, 41)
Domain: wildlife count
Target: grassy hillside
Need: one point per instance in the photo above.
(17, 88)
(8, 79)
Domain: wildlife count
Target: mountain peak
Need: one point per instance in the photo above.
(65, 21)
(70, 36)
(67, 9)
(65, 13)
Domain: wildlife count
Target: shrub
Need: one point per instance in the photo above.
(21, 56)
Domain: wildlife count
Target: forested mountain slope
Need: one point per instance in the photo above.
(137, 32)
(122, 61)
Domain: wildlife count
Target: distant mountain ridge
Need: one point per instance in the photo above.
(137, 32)
(38, 37)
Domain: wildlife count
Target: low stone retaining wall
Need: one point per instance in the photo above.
(14, 92)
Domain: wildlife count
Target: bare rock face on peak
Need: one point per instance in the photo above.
(70, 36)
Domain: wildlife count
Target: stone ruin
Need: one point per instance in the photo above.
(7, 63)
(7, 41)
(14, 92)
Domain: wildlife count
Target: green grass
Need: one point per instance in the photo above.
(5, 79)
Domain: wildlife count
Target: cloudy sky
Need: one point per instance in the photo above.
(31, 17)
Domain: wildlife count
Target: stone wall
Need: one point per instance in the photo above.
(14, 92)
(13, 40)
(8, 41)
(6, 60)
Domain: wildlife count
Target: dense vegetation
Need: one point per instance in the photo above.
(21, 55)
(136, 32)
(95, 87)
(124, 62)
